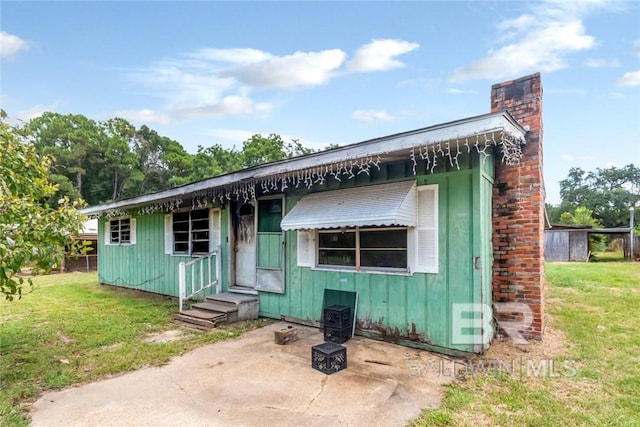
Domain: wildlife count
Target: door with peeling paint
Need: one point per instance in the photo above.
(244, 244)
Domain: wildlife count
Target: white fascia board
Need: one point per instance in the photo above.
(488, 123)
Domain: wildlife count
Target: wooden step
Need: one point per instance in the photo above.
(203, 314)
(215, 306)
(193, 326)
(200, 319)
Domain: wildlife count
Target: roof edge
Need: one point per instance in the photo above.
(501, 121)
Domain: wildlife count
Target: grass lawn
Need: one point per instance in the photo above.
(72, 330)
(596, 307)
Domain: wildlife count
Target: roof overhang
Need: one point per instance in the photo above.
(482, 130)
(373, 205)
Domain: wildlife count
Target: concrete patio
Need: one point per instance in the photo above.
(252, 381)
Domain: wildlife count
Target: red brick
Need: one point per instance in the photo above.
(518, 205)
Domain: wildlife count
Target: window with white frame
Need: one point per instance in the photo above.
(410, 249)
(192, 232)
(120, 231)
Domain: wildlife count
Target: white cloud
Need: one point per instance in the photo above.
(232, 105)
(11, 44)
(380, 55)
(454, 91)
(191, 82)
(560, 9)
(602, 63)
(541, 49)
(539, 40)
(632, 78)
(290, 71)
(520, 23)
(609, 165)
(227, 106)
(372, 115)
(219, 82)
(144, 116)
(234, 55)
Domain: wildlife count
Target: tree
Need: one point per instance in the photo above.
(259, 149)
(607, 192)
(584, 216)
(162, 161)
(70, 140)
(120, 162)
(32, 232)
(110, 160)
(214, 161)
(581, 216)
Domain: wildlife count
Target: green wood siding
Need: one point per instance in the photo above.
(408, 308)
(144, 266)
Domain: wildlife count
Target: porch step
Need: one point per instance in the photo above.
(232, 298)
(212, 305)
(236, 306)
(219, 308)
(201, 319)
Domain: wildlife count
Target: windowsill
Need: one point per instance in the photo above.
(363, 271)
(193, 255)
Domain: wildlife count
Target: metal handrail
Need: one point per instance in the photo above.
(198, 283)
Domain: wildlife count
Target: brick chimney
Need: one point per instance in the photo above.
(518, 207)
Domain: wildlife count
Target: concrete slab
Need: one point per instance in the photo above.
(252, 381)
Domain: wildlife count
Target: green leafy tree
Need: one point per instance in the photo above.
(32, 232)
(111, 160)
(163, 162)
(607, 192)
(120, 162)
(214, 161)
(259, 149)
(71, 140)
(581, 216)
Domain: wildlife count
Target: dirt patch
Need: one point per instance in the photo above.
(65, 339)
(164, 337)
(553, 344)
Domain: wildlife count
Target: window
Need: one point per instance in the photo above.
(120, 231)
(192, 232)
(412, 249)
(363, 248)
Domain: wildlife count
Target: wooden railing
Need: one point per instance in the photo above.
(199, 274)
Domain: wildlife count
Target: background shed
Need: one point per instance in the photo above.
(571, 242)
(566, 243)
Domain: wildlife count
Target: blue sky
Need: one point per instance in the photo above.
(329, 72)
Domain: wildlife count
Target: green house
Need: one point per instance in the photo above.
(403, 221)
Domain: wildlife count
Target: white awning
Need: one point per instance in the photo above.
(374, 205)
